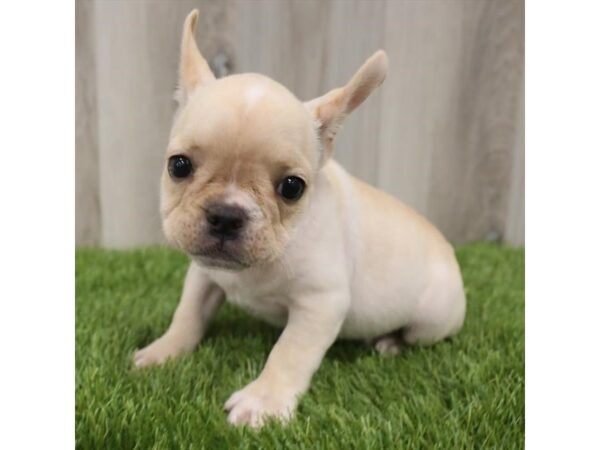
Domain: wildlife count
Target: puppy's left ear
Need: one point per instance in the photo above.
(330, 109)
(193, 68)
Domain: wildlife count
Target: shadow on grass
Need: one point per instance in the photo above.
(241, 328)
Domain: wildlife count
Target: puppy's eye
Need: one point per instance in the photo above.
(291, 188)
(179, 166)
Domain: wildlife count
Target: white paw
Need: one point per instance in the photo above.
(388, 345)
(158, 352)
(256, 402)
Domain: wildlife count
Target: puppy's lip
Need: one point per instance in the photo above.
(219, 254)
(220, 263)
(217, 263)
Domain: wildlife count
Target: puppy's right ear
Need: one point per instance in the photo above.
(330, 110)
(193, 68)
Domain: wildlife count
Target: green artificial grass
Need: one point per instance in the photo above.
(463, 393)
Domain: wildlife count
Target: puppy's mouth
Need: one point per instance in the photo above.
(220, 254)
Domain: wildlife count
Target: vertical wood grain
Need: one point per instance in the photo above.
(472, 163)
(515, 217)
(444, 133)
(87, 199)
(423, 41)
(271, 38)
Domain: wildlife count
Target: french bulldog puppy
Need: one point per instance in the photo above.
(274, 225)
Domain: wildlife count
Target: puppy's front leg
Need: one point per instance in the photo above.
(199, 302)
(313, 325)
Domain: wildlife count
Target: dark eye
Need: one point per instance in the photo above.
(291, 188)
(179, 166)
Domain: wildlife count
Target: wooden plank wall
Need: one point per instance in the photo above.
(445, 133)
(87, 201)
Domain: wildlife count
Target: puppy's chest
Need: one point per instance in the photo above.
(261, 300)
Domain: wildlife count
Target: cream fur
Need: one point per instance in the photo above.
(345, 261)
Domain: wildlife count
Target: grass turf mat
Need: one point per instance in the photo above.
(463, 393)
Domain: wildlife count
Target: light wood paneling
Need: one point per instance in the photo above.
(419, 99)
(472, 161)
(515, 217)
(87, 200)
(444, 133)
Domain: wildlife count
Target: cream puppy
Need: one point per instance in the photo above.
(275, 226)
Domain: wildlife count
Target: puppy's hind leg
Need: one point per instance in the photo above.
(199, 303)
(441, 316)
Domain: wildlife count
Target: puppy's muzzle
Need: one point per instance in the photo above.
(225, 222)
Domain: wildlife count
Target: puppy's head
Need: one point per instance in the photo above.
(243, 156)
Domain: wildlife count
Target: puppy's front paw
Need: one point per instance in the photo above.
(256, 402)
(158, 352)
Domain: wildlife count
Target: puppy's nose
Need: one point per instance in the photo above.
(225, 221)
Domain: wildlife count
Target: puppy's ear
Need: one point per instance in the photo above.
(330, 110)
(193, 68)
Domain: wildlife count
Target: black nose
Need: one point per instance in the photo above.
(225, 221)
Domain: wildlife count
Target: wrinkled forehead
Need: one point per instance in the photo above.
(249, 116)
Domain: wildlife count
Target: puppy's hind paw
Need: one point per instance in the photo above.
(390, 344)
